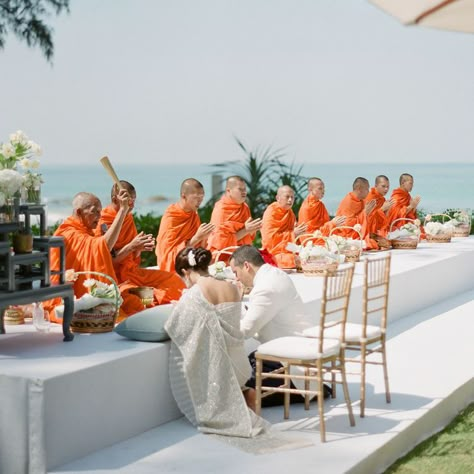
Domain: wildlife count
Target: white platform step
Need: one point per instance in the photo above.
(429, 385)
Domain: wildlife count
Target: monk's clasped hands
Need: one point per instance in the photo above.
(252, 225)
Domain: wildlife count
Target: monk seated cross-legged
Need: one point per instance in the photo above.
(86, 251)
(231, 217)
(279, 227)
(126, 258)
(404, 206)
(377, 220)
(313, 211)
(181, 226)
(356, 211)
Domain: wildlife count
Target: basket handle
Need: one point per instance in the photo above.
(401, 219)
(346, 227)
(225, 251)
(107, 277)
(436, 215)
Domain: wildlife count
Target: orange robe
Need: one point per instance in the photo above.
(354, 209)
(229, 217)
(84, 252)
(313, 212)
(167, 286)
(402, 200)
(177, 227)
(376, 220)
(278, 229)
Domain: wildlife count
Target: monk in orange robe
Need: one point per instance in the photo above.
(279, 227)
(404, 205)
(126, 257)
(354, 208)
(313, 211)
(377, 219)
(231, 217)
(84, 250)
(181, 226)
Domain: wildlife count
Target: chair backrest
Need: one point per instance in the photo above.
(375, 292)
(335, 300)
(226, 251)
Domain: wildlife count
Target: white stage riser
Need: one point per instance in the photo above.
(125, 391)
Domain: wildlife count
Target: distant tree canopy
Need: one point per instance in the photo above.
(25, 18)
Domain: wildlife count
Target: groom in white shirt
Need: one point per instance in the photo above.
(275, 308)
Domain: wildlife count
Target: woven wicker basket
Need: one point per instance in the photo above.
(462, 230)
(438, 239)
(411, 243)
(145, 293)
(441, 238)
(94, 321)
(318, 267)
(352, 255)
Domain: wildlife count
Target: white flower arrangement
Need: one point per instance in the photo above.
(406, 232)
(10, 182)
(461, 217)
(220, 271)
(19, 148)
(318, 252)
(99, 293)
(437, 228)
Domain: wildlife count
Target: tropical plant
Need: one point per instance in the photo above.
(149, 224)
(264, 171)
(25, 18)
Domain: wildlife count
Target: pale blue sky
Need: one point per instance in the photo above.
(173, 81)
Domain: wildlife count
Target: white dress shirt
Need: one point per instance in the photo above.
(275, 308)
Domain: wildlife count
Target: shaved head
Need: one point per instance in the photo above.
(125, 184)
(285, 197)
(380, 178)
(233, 181)
(189, 186)
(236, 189)
(316, 187)
(84, 200)
(360, 187)
(360, 182)
(405, 177)
(382, 184)
(313, 182)
(87, 207)
(285, 189)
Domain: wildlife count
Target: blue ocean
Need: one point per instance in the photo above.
(440, 186)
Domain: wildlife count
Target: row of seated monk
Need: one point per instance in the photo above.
(107, 241)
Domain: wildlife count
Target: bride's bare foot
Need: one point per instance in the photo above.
(249, 396)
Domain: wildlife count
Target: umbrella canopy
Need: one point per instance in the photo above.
(456, 15)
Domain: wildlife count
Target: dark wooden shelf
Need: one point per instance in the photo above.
(21, 273)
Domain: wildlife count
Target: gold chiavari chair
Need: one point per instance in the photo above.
(318, 357)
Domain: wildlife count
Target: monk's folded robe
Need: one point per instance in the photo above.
(399, 209)
(84, 252)
(278, 226)
(314, 214)
(228, 218)
(177, 228)
(377, 219)
(167, 286)
(353, 209)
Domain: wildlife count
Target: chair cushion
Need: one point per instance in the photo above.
(303, 348)
(147, 325)
(353, 332)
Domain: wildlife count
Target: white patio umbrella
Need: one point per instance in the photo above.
(456, 15)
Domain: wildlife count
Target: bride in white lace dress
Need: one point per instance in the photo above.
(208, 362)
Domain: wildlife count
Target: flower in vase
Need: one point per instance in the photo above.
(10, 183)
(19, 148)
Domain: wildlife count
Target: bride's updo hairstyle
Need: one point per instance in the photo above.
(197, 259)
